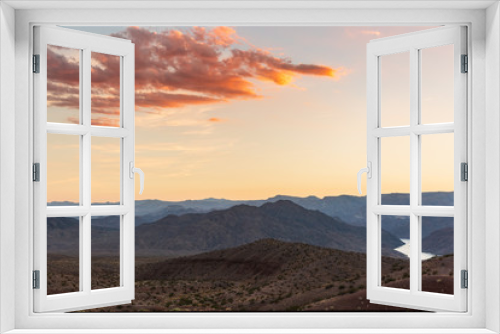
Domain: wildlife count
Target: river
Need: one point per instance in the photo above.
(405, 249)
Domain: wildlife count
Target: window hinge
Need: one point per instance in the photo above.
(464, 171)
(465, 64)
(36, 63)
(36, 172)
(36, 279)
(465, 279)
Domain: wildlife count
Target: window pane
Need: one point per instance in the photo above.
(437, 254)
(395, 89)
(63, 85)
(105, 90)
(437, 169)
(63, 255)
(63, 169)
(105, 252)
(395, 252)
(106, 170)
(437, 84)
(395, 170)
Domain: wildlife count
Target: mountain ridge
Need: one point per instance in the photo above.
(201, 232)
(348, 208)
(242, 224)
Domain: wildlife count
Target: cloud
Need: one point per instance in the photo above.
(215, 120)
(105, 121)
(161, 99)
(175, 68)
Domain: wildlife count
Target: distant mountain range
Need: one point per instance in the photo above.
(439, 242)
(63, 236)
(349, 209)
(222, 229)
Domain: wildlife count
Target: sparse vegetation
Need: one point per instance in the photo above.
(163, 285)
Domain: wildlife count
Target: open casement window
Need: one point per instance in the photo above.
(84, 154)
(417, 137)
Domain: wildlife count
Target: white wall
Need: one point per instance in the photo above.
(492, 163)
(7, 191)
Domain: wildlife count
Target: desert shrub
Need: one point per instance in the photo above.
(294, 308)
(185, 301)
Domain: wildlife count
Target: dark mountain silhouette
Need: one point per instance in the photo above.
(63, 236)
(350, 209)
(107, 222)
(439, 242)
(242, 224)
(400, 226)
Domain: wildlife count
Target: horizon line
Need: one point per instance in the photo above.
(249, 200)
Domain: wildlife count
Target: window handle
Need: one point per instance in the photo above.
(140, 172)
(368, 171)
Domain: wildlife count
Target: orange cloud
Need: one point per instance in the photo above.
(99, 121)
(104, 121)
(178, 68)
(215, 120)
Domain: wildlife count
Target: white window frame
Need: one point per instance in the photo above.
(85, 43)
(414, 43)
(484, 147)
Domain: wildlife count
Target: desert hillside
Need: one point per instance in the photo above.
(266, 275)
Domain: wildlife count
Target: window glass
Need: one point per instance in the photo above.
(437, 172)
(63, 169)
(437, 254)
(63, 85)
(63, 255)
(395, 252)
(395, 89)
(437, 84)
(395, 170)
(105, 90)
(105, 252)
(106, 160)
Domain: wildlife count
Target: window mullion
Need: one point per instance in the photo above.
(85, 179)
(414, 172)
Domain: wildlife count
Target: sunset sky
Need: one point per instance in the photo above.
(247, 112)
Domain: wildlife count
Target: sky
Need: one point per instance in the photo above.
(248, 113)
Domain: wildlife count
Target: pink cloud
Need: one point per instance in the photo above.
(178, 68)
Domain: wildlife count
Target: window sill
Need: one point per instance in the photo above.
(250, 331)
